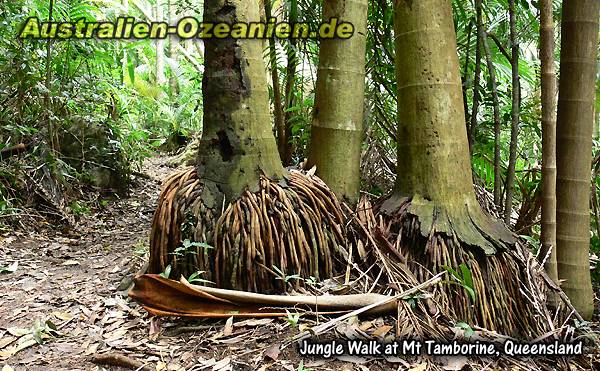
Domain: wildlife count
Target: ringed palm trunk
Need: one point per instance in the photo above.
(574, 130)
(548, 87)
(433, 149)
(336, 131)
(433, 214)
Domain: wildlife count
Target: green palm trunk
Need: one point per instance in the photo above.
(574, 131)
(433, 151)
(336, 131)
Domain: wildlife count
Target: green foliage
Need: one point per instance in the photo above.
(88, 86)
(167, 272)
(188, 247)
(195, 278)
(463, 279)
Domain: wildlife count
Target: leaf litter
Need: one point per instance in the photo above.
(63, 306)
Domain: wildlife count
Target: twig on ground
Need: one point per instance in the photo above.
(119, 360)
(317, 330)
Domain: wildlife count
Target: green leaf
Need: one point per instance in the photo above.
(167, 272)
(10, 269)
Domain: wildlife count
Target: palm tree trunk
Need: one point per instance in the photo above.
(336, 131)
(237, 144)
(548, 88)
(574, 130)
(496, 107)
(277, 104)
(516, 102)
(173, 41)
(160, 47)
(432, 139)
(290, 83)
(479, 29)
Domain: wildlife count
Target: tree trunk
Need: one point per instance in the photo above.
(52, 135)
(516, 102)
(336, 131)
(433, 151)
(277, 104)
(574, 130)
(237, 144)
(479, 29)
(173, 41)
(548, 87)
(465, 80)
(160, 47)
(496, 103)
(290, 83)
(124, 64)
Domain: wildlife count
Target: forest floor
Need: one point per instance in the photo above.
(62, 306)
(63, 302)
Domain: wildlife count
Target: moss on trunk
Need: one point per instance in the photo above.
(237, 145)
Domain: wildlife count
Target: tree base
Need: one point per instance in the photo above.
(510, 293)
(265, 241)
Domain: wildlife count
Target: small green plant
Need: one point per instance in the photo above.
(464, 279)
(302, 368)
(79, 208)
(413, 299)
(188, 247)
(167, 272)
(467, 328)
(195, 277)
(140, 249)
(285, 278)
(292, 318)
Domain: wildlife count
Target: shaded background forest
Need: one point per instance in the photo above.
(90, 112)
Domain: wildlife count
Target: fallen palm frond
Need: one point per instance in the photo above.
(265, 241)
(163, 297)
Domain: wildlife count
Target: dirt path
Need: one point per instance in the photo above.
(65, 295)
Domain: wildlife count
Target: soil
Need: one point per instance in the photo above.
(76, 282)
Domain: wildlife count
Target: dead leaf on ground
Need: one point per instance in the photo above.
(453, 363)
(222, 365)
(381, 331)
(154, 328)
(228, 329)
(272, 351)
(421, 367)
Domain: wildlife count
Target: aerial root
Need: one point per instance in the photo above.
(265, 241)
(510, 292)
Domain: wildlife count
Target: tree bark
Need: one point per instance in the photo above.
(237, 144)
(465, 80)
(475, 108)
(548, 88)
(290, 83)
(515, 111)
(277, 104)
(574, 130)
(173, 42)
(336, 131)
(52, 136)
(434, 163)
(160, 47)
(124, 63)
(497, 124)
